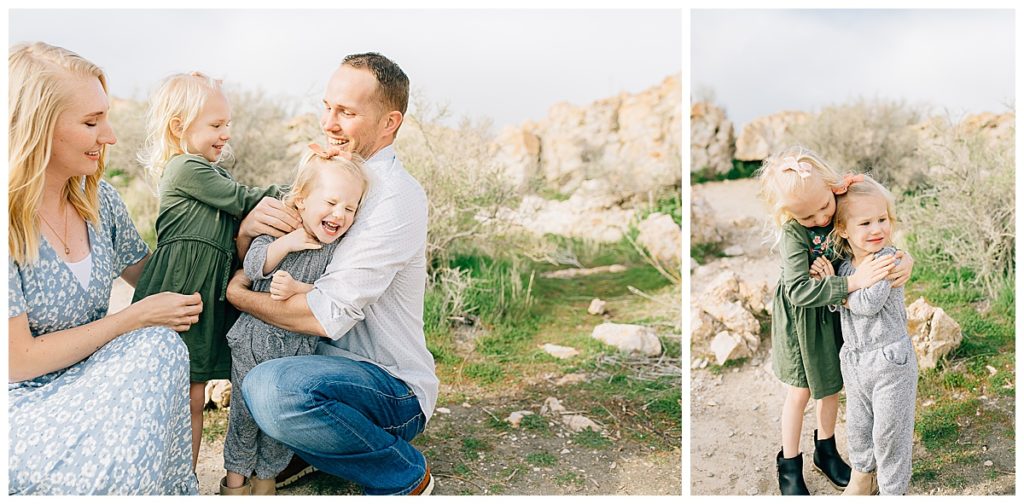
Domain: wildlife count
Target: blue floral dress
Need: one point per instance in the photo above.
(118, 421)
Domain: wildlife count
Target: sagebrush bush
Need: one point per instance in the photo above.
(963, 216)
(874, 136)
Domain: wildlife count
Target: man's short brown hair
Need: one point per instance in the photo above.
(392, 83)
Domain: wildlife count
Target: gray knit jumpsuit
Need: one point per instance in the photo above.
(880, 374)
(248, 450)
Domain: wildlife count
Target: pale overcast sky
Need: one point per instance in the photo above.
(758, 62)
(509, 65)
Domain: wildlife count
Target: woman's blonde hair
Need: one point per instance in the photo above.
(778, 181)
(309, 173)
(867, 187)
(39, 91)
(180, 97)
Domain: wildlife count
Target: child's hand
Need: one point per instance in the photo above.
(299, 240)
(822, 268)
(283, 286)
(901, 272)
(870, 271)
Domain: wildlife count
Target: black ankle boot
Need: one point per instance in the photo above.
(791, 475)
(828, 462)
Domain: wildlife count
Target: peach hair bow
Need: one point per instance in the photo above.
(802, 168)
(329, 153)
(848, 180)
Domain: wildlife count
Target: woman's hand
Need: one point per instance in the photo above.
(822, 268)
(870, 271)
(177, 311)
(901, 272)
(283, 286)
(299, 240)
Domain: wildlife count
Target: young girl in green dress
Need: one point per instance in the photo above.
(201, 207)
(799, 189)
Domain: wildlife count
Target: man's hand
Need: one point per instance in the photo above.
(270, 217)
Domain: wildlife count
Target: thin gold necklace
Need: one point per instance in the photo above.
(64, 241)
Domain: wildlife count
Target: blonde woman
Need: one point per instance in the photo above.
(98, 403)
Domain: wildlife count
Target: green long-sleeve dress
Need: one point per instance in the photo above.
(805, 335)
(201, 207)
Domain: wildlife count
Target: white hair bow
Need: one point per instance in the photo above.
(802, 168)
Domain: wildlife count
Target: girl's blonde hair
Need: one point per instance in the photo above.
(867, 187)
(182, 97)
(41, 88)
(777, 181)
(309, 170)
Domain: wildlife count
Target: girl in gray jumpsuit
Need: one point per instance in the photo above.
(877, 358)
(327, 192)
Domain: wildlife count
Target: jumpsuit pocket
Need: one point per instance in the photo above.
(897, 353)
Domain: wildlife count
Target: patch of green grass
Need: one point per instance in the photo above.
(552, 194)
(534, 423)
(512, 473)
(670, 204)
(588, 438)
(937, 426)
(471, 447)
(729, 364)
(215, 424)
(706, 252)
(542, 459)
(484, 372)
(461, 469)
(498, 424)
(740, 169)
(570, 478)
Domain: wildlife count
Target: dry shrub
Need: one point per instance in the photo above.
(261, 137)
(873, 136)
(465, 187)
(964, 217)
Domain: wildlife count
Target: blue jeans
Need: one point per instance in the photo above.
(348, 418)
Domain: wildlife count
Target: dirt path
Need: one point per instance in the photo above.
(735, 410)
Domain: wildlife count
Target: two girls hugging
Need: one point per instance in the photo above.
(838, 317)
(201, 207)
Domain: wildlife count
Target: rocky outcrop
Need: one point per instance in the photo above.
(767, 134)
(703, 225)
(933, 332)
(722, 317)
(711, 139)
(631, 140)
(590, 213)
(662, 238)
(994, 128)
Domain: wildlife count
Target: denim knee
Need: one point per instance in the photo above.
(270, 396)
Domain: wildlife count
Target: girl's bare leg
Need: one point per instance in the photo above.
(827, 410)
(196, 403)
(793, 419)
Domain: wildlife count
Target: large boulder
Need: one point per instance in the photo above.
(703, 226)
(629, 338)
(767, 134)
(662, 238)
(933, 332)
(722, 317)
(711, 139)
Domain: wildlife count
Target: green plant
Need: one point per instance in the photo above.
(542, 459)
